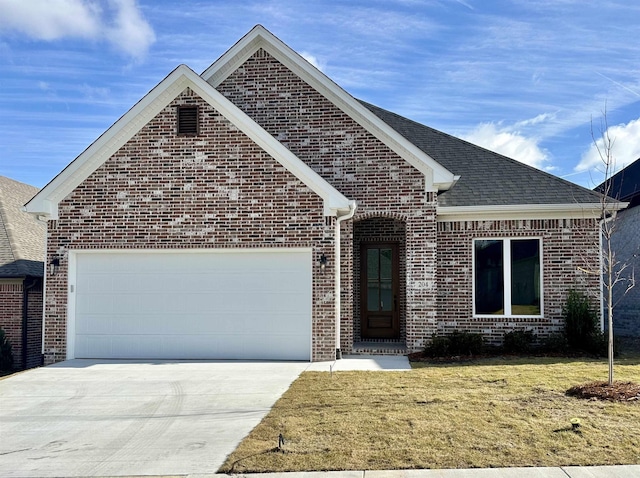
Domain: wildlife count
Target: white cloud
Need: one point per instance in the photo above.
(47, 20)
(130, 31)
(510, 143)
(625, 150)
(120, 22)
(313, 60)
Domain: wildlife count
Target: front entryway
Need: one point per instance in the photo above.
(380, 311)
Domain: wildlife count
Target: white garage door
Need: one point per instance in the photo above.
(227, 304)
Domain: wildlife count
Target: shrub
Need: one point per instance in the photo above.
(556, 343)
(6, 355)
(455, 343)
(519, 341)
(580, 321)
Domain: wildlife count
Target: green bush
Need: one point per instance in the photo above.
(555, 343)
(519, 341)
(581, 328)
(6, 355)
(455, 343)
(580, 321)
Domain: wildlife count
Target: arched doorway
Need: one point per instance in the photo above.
(379, 280)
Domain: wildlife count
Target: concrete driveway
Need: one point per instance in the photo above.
(99, 418)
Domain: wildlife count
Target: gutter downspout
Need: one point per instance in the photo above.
(352, 210)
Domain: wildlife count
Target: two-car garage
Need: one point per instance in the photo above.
(190, 304)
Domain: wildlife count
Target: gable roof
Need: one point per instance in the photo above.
(47, 200)
(487, 179)
(22, 236)
(436, 174)
(625, 184)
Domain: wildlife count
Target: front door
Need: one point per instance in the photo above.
(380, 318)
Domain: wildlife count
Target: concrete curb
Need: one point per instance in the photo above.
(617, 471)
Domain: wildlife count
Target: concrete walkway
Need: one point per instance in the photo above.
(390, 363)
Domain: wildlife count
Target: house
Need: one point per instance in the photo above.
(259, 211)
(625, 241)
(22, 251)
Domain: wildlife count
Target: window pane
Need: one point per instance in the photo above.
(373, 267)
(525, 277)
(373, 296)
(489, 277)
(385, 263)
(386, 296)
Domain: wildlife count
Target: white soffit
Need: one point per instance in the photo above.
(527, 211)
(436, 176)
(46, 201)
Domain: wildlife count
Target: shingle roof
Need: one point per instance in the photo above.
(625, 184)
(22, 236)
(486, 178)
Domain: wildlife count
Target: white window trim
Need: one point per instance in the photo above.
(506, 260)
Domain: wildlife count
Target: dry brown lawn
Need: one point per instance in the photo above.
(492, 413)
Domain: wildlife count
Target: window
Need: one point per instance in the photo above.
(506, 277)
(187, 120)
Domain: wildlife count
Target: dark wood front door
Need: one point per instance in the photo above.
(379, 273)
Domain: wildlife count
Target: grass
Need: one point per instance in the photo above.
(491, 413)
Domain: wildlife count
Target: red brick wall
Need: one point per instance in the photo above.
(11, 318)
(355, 163)
(11, 307)
(567, 247)
(217, 190)
(34, 326)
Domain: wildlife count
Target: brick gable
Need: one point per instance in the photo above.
(216, 190)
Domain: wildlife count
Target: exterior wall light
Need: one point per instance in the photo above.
(323, 262)
(54, 265)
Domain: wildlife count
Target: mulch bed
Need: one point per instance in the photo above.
(618, 392)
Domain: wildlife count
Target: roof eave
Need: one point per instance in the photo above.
(526, 211)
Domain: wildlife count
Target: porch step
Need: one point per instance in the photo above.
(379, 348)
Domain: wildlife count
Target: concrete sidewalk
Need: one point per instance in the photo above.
(622, 471)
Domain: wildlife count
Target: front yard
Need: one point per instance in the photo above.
(491, 413)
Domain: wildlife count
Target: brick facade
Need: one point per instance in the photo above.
(569, 247)
(11, 319)
(220, 190)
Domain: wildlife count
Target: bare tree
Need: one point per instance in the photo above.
(615, 273)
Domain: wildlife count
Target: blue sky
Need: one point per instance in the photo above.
(525, 78)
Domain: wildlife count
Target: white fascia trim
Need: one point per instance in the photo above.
(527, 211)
(436, 176)
(46, 201)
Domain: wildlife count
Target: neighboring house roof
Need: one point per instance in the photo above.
(22, 236)
(625, 184)
(47, 200)
(486, 178)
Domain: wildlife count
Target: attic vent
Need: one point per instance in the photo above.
(187, 120)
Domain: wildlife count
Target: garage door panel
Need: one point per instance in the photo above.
(223, 304)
